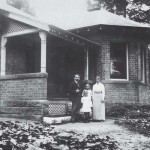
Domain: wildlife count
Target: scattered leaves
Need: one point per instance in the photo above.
(35, 136)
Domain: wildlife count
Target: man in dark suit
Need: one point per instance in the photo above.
(75, 97)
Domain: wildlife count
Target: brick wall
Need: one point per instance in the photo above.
(103, 62)
(23, 87)
(122, 91)
(144, 94)
(133, 61)
(118, 92)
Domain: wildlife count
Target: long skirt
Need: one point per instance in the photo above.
(98, 107)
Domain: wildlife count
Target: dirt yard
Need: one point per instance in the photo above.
(127, 140)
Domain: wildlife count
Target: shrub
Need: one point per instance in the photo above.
(116, 111)
(139, 125)
(135, 118)
(129, 111)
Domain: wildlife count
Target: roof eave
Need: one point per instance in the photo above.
(49, 29)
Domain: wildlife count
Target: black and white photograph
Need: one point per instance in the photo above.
(74, 74)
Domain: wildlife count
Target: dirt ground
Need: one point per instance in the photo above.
(127, 140)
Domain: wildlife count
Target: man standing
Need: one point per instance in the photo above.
(75, 97)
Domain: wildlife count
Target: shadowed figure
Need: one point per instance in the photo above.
(75, 97)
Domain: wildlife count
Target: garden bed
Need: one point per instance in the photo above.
(139, 125)
(135, 118)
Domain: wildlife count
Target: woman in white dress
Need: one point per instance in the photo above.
(98, 94)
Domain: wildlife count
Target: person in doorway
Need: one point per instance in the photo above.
(86, 103)
(75, 97)
(98, 95)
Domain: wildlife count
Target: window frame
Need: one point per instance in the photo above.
(127, 64)
(143, 66)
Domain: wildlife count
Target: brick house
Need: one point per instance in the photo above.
(38, 60)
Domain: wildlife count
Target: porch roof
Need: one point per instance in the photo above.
(63, 29)
(15, 14)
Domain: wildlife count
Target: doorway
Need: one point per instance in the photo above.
(63, 63)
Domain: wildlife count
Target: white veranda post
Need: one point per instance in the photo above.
(43, 37)
(86, 68)
(3, 56)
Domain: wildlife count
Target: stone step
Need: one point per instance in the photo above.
(56, 120)
(21, 110)
(28, 108)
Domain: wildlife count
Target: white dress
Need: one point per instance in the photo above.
(86, 101)
(98, 94)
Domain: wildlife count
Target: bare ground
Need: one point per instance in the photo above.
(127, 140)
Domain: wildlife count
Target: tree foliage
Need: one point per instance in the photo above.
(22, 5)
(137, 10)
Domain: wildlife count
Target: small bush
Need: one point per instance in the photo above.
(135, 118)
(141, 126)
(116, 111)
(129, 111)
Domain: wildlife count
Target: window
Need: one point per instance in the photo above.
(142, 64)
(118, 60)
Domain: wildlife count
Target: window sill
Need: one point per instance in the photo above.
(117, 81)
(123, 82)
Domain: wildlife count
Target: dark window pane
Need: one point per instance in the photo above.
(118, 61)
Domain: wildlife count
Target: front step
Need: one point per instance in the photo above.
(56, 120)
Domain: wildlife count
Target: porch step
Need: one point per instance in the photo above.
(26, 117)
(56, 120)
(21, 110)
(24, 103)
(34, 109)
(30, 110)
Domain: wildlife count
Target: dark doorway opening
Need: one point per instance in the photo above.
(63, 63)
